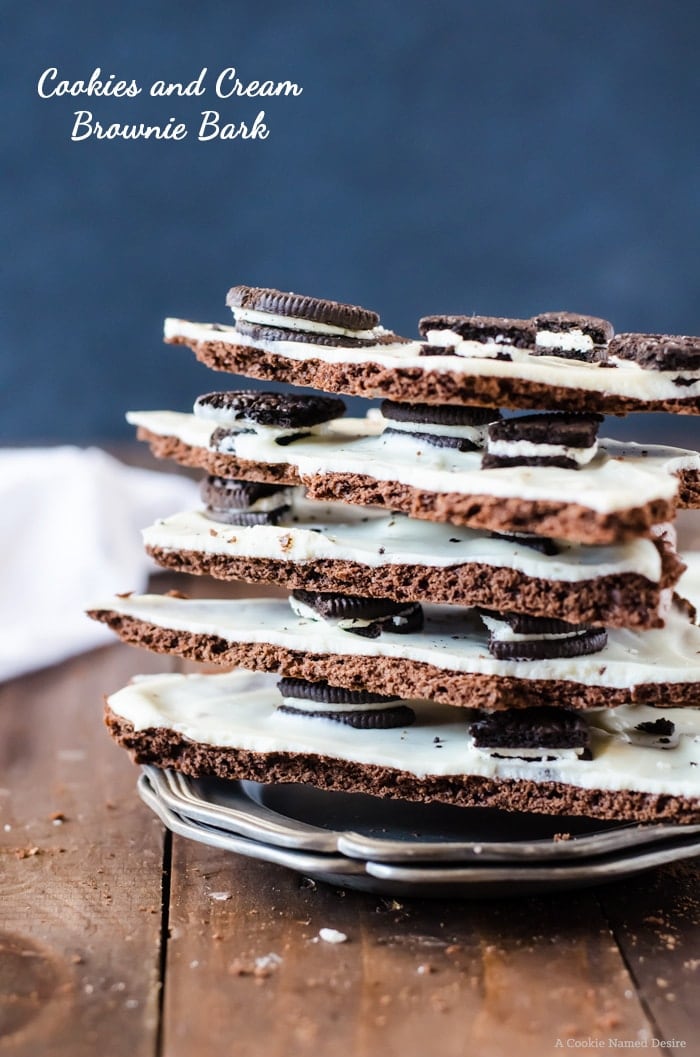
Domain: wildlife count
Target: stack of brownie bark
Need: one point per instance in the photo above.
(482, 608)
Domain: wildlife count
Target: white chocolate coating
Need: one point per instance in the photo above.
(335, 531)
(453, 639)
(238, 710)
(620, 477)
(473, 358)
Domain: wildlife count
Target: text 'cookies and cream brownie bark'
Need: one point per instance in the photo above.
(555, 359)
(502, 630)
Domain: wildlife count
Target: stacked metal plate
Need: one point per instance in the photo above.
(398, 848)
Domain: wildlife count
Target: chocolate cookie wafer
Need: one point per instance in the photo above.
(565, 440)
(187, 722)
(356, 708)
(244, 502)
(360, 616)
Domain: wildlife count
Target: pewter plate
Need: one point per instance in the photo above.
(477, 879)
(365, 827)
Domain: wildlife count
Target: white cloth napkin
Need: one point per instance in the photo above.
(70, 533)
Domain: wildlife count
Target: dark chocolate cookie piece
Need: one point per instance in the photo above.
(325, 694)
(435, 440)
(662, 727)
(439, 414)
(261, 332)
(537, 543)
(541, 727)
(225, 493)
(284, 410)
(525, 624)
(346, 607)
(298, 306)
(600, 331)
(592, 640)
(502, 462)
(658, 352)
(561, 428)
(247, 518)
(518, 333)
(382, 719)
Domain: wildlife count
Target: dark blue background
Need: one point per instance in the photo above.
(497, 157)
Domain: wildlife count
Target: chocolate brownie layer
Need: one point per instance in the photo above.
(420, 384)
(565, 520)
(391, 676)
(164, 747)
(624, 600)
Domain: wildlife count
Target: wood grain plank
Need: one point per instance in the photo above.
(656, 921)
(81, 864)
(505, 977)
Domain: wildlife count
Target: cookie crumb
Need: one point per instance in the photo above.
(332, 936)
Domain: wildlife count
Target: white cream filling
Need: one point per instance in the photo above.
(526, 449)
(527, 754)
(337, 532)
(239, 710)
(304, 705)
(606, 485)
(308, 326)
(567, 340)
(453, 639)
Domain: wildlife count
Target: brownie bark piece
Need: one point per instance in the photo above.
(413, 384)
(390, 676)
(164, 747)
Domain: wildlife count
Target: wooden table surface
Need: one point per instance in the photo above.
(111, 942)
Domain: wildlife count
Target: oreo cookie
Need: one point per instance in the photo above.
(536, 543)
(249, 408)
(548, 439)
(298, 306)
(658, 352)
(487, 330)
(441, 425)
(520, 637)
(542, 727)
(355, 708)
(368, 617)
(244, 503)
(572, 337)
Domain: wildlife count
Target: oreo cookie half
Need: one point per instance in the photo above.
(244, 503)
(520, 637)
(497, 331)
(549, 439)
(572, 337)
(356, 708)
(247, 409)
(442, 425)
(658, 352)
(368, 617)
(531, 733)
